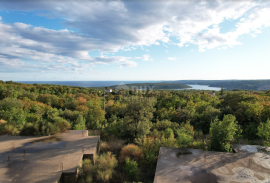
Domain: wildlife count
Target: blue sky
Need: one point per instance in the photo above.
(134, 40)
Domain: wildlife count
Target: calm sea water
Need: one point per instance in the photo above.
(111, 83)
(203, 87)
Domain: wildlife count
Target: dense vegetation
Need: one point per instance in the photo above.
(135, 125)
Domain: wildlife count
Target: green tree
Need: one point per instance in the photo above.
(80, 123)
(72, 104)
(264, 132)
(203, 120)
(132, 169)
(138, 115)
(222, 133)
(169, 133)
(265, 113)
(9, 103)
(95, 118)
(250, 131)
(185, 135)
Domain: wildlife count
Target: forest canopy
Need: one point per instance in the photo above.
(143, 121)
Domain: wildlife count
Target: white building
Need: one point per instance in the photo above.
(108, 91)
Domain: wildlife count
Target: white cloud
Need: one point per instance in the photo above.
(146, 58)
(123, 61)
(172, 58)
(108, 22)
(28, 48)
(109, 26)
(128, 64)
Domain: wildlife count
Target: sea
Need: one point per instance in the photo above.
(112, 83)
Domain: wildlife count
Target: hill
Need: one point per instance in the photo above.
(162, 85)
(231, 84)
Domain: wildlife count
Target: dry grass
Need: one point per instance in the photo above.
(2, 121)
(101, 171)
(105, 165)
(93, 132)
(131, 150)
(113, 145)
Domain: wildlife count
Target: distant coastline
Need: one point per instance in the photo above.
(226, 84)
(161, 85)
(86, 83)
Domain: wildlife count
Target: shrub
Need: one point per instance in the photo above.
(9, 103)
(183, 139)
(169, 133)
(8, 129)
(198, 134)
(132, 151)
(80, 123)
(61, 123)
(2, 126)
(113, 127)
(185, 135)
(187, 128)
(113, 146)
(132, 169)
(150, 147)
(70, 115)
(198, 144)
(29, 129)
(104, 166)
(82, 108)
(164, 124)
(33, 117)
(264, 132)
(222, 133)
(44, 98)
(104, 147)
(205, 118)
(71, 104)
(101, 171)
(156, 134)
(48, 128)
(251, 131)
(81, 100)
(86, 172)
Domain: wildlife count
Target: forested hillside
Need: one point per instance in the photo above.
(135, 124)
(161, 85)
(231, 84)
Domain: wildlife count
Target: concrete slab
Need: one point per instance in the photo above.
(178, 165)
(251, 148)
(44, 159)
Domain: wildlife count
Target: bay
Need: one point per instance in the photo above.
(112, 83)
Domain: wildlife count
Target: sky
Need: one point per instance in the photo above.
(87, 40)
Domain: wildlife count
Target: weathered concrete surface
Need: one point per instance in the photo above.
(43, 159)
(210, 167)
(251, 148)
